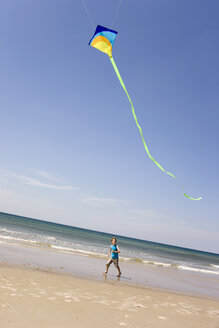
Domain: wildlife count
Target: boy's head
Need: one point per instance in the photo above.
(113, 240)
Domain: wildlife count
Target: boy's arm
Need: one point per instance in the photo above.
(117, 251)
(109, 251)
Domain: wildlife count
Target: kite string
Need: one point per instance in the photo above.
(89, 15)
(116, 13)
(87, 12)
(136, 121)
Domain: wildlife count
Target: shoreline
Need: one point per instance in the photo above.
(46, 298)
(89, 268)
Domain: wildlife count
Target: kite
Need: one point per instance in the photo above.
(103, 40)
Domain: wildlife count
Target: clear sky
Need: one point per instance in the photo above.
(70, 149)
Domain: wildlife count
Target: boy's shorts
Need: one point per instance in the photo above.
(114, 261)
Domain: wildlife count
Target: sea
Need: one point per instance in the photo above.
(23, 231)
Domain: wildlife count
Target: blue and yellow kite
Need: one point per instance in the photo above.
(103, 40)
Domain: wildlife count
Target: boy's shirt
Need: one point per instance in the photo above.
(114, 255)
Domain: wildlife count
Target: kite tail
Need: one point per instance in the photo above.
(136, 121)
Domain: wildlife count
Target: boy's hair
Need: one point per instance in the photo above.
(113, 239)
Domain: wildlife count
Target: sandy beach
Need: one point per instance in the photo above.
(54, 279)
(42, 298)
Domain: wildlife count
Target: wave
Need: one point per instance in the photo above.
(78, 251)
(138, 260)
(215, 266)
(14, 234)
(183, 267)
(26, 241)
(158, 263)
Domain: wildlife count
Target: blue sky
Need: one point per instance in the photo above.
(70, 150)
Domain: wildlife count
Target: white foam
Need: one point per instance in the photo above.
(182, 267)
(158, 263)
(215, 266)
(78, 251)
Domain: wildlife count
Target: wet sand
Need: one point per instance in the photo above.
(42, 298)
(132, 273)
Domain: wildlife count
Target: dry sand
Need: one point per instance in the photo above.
(34, 298)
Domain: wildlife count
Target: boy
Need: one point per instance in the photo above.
(114, 257)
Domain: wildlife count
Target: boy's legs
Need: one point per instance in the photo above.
(116, 263)
(108, 265)
(119, 271)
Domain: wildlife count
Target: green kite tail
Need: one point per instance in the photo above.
(136, 121)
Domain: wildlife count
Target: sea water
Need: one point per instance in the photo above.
(72, 240)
